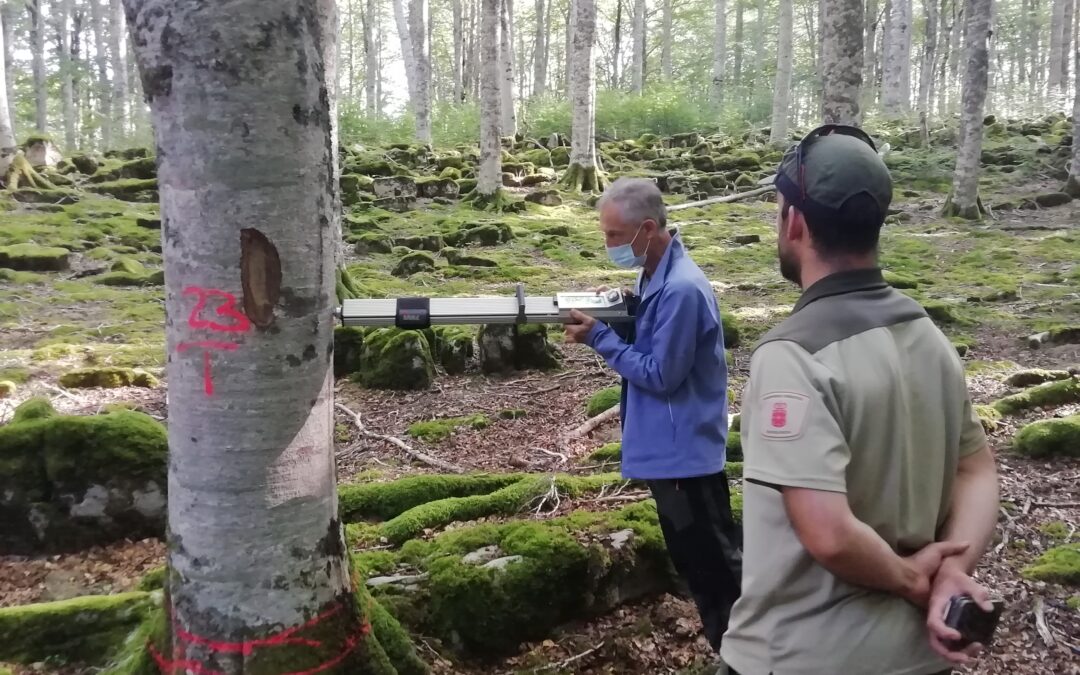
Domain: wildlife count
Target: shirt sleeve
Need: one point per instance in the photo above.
(972, 433)
(790, 435)
(674, 341)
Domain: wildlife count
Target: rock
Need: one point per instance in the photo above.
(431, 188)
(396, 204)
(1057, 336)
(544, 198)
(1050, 438)
(42, 152)
(372, 242)
(129, 265)
(603, 400)
(86, 164)
(413, 263)
(481, 234)
(7, 389)
(432, 242)
(348, 350)
(510, 180)
(34, 258)
(744, 239)
(130, 189)
(1046, 201)
(1029, 378)
(406, 581)
(538, 157)
(394, 186)
(560, 157)
(456, 257)
(482, 555)
(500, 563)
(454, 348)
(149, 223)
(556, 231)
(142, 169)
(621, 538)
(395, 359)
(505, 347)
(110, 377)
(941, 312)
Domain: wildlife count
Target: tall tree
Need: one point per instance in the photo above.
(1066, 40)
(118, 48)
(842, 60)
(459, 51)
(1072, 184)
(759, 44)
(489, 177)
(1055, 66)
(8, 146)
(256, 549)
(666, 42)
(371, 58)
(737, 56)
(926, 70)
(964, 199)
(408, 53)
(422, 70)
(540, 50)
(870, 56)
(508, 122)
(583, 173)
(616, 52)
(37, 49)
(896, 90)
(637, 62)
(7, 16)
(782, 91)
(67, 84)
(719, 51)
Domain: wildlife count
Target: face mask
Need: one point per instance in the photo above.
(623, 256)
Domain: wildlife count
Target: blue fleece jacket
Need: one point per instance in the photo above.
(674, 386)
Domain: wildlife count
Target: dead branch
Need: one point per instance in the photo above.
(590, 467)
(397, 442)
(551, 496)
(587, 428)
(65, 393)
(1056, 505)
(562, 457)
(565, 662)
(1040, 623)
(629, 497)
(723, 200)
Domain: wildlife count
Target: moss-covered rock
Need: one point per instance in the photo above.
(479, 234)
(1034, 376)
(34, 258)
(537, 157)
(989, 417)
(440, 429)
(348, 350)
(610, 452)
(29, 195)
(142, 169)
(396, 359)
(7, 389)
(86, 630)
(85, 164)
(560, 157)
(1050, 394)
(129, 265)
(734, 446)
(432, 243)
(433, 187)
(138, 279)
(372, 242)
(412, 263)
(942, 312)
(107, 378)
(453, 348)
(36, 408)
(457, 257)
(384, 501)
(603, 400)
(130, 189)
(1060, 565)
(506, 347)
(545, 198)
(395, 186)
(1050, 438)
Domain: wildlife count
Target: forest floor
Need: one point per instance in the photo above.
(998, 282)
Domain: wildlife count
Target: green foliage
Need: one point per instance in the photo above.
(989, 416)
(1060, 565)
(603, 400)
(389, 499)
(437, 430)
(36, 408)
(610, 452)
(1050, 438)
(1055, 530)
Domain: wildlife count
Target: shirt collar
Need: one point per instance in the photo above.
(657, 279)
(840, 283)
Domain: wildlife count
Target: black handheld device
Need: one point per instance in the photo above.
(971, 621)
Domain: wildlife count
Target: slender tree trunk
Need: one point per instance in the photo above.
(759, 47)
(540, 51)
(666, 44)
(719, 52)
(637, 63)
(422, 70)
(519, 64)
(118, 48)
(489, 177)
(408, 53)
(926, 74)
(738, 55)
(78, 16)
(895, 99)
(870, 84)
(508, 121)
(583, 173)
(8, 145)
(842, 60)
(1066, 41)
(459, 51)
(470, 50)
(782, 91)
(7, 14)
(1072, 185)
(37, 47)
(616, 55)
(101, 58)
(256, 551)
(1054, 67)
(964, 200)
(67, 91)
(371, 59)
(1035, 63)
(959, 7)
(568, 47)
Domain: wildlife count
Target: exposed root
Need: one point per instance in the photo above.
(22, 174)
(552, 496)
(954, 210)
(583, 179)
(499, 202)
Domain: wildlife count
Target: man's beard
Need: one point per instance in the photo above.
(789, 268)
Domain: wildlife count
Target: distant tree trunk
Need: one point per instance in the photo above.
(78, 16)
(666, 44)
(964, 200)
(371, 59)
(457, 70)
(870, 57)
(616, 55)
(470, 50)
(583, 173)
(118, 48)
(782, 91)
(1057, 55)
(408, 53)
(738, 55)
(842, 60)
(568, 47)
(926, 73)
(519, 64)
(637, 76)
(422, 70)
(489, 177)
(101, 58)
(8, 146)
(1066, 41)
(37, 47)
(7, 13)
(1035, 41)
(759, 46)
(955, 51)
(896, 92)
(719, 51)
(540, 51)
(508, 122)
(941, 83)
(67, 90)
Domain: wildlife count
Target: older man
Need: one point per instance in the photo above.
(674, 395)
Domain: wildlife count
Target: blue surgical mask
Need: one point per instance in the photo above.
(623, 256)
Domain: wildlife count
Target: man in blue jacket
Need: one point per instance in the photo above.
(674, 395)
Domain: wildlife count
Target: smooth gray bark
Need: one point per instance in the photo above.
(896, 90)
(965, 194)
(101, 59)
(759, 43)
(737, 57)
(371, 59)
(583, 86)
(37, 49)
(489, 176)
(408, 55)
(782, 90)
(8, 146)
(637, 62)
(616, 51)
(508, 122)
(1057, 55)
(1073, 183)
(870, 55)
(422, 68)
(67, 85)
(1066, 41)
(926, 71)
(666, 42)
(719, 52)
(7, 16)
(118, 51)
(459, 50)
(540, 50)
(842, 60)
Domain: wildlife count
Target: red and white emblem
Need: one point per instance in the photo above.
(783, 415)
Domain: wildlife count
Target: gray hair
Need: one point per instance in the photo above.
(637, 199)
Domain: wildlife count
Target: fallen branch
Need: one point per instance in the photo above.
(65, 393)
(590, 467)
(1057, 505)
(565, 662)
(587, 428)
(562, 458)
(631, 497)
(1040, 623)
(405, 447)
(722, 200)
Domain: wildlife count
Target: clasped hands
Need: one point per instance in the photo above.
(578, 332)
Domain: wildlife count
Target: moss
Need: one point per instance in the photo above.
(1073, 603)
(736, 422)
(1028, 378)
(154, 579)
(129, 265)
(413, 263)
(901, 281)
(348, 349)
(133, 657)
(734, 446)
(85, 630)
(1060, 565)
(1049, 394)
(389, 499)
(393, 638)
(7, 389)
(15, 374)
(730, 327)
(1055, 530)
(1050, 438)
(34, 258)
(454, 348)
(108, 378)
(396, 359)
(513, 413)
(610, 452)
(128, 189)
(603, 400)
(437, 430)
(21, 278)
(942, 313)
(989, 416)
(129, 279)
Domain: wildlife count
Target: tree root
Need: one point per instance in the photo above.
(583, 179)
(954, 210)
(22, 174)
(498, 202)
(344, 285)
(1072, 187)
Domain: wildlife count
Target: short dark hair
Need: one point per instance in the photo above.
(853, 229)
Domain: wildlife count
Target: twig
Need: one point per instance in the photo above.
(590, 467)
(1040, 623)
(587, 428)
(1027, 506)
(65, 393)
(722, 200)
(415, 454)
(562, 457)
(1059, 505)
(565, 662)
(551, 495)
(629, 497)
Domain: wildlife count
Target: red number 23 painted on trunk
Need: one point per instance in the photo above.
(237, 322)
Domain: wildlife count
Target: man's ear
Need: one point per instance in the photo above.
(795, 227)
(650, 226)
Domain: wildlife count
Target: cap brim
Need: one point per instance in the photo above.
(768, 180)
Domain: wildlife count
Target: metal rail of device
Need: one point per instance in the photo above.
(421, 312)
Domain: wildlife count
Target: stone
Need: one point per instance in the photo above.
(506, 347)
(556, 231)
(431, 188)
(1046, 201)
(1030, 378)
(744, 239)
(544, 198)
(42, 152)
(85, 164)
(482, 555)
(454, 348)
(413, 263)
(373, 242)
(432, 242)
(456, 257)
(348, 349)
(619, 539)
(396, 359)
(34, 258)
(396, 204)
(500, 563)
(149, 223)
(109, 377)
(480, 234)
(394, 186)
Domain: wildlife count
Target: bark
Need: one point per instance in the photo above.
(896, 90)
(955, 53)
(421, 70)
(408, 55)
(720, 47)
(67, 91)
(101, 59)
(870, 83)
(583, 173)
(118, 51)
(8, 146)
(842, 60)
(37, 47)
(520, 62)
(540, 52)
(371, 59)
(1066, 41)
(7, 17)
(508, 122)
(926, 71)
(666, 43)
(1072, 185)
(964, 200)
(1035, 41)
(616, 52)
(782, 91)
(637, 63)
(1054, 66)
(489, 177)
(459, 51)
(738, 55)
(256, 551)
(568, 46)
(759, 43)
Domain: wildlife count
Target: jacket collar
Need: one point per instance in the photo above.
(840, 283)
(674, 251)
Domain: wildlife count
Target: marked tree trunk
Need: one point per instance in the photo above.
(489, 177)
(964, 199)
(118, 47)
(637, 63)
(666, 42)
(67, 84)
(422, 69)
(719, 51)
(926, 71)
(896, 91)
(508, 122)
(259, 575)
(37, 48)
(782, 92)
(459, 51)
(540, 51)
(371, 59)
(842, 60)
(583, 173)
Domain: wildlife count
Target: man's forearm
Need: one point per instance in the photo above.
(861, 557)
(974, 509)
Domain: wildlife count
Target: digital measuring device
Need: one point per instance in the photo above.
(610, 306)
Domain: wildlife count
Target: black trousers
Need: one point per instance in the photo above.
(732, 671)
(705, 544)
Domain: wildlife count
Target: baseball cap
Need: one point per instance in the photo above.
(830, 165)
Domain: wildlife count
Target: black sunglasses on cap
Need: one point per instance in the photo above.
(799, 149)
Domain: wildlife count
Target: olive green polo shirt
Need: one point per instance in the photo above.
(856, 392)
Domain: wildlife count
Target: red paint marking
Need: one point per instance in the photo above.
(350, 644)
(226, 309)
(208, 379)
(779, 415)
(183, 665)
(245, 647)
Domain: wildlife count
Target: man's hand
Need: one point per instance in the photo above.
(925, 564)
(579, 332)
(952, 580)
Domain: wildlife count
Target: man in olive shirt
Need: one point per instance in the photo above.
(869, 489)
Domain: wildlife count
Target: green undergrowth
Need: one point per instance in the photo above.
(437, 430)
(603, 400)
(386, 500)
(1060, 565)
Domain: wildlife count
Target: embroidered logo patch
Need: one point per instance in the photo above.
(783, 415)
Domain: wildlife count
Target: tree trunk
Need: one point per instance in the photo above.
(78, 15)
(540, 52)
(738, 55)
(1035, 63)
(964, 200)
(519, 64)
(926, 73)
(408, 54)
(870, 84)
(568, 47)
(457, 72)
(1054, 67)
(719, 52)
(260, 578)
(637, 63)
(7, 16)
(421, 70)
(616, 55)
(489, 177)
(1066, 41)
(101, 58)
(782, 91)
(955, 53)
(8, 146)
(508, 121)
(583, 173)
(842, 60)
(37, 47)
(67, 91)
(759, 46)
(371, 59)
(895, 98)
(118, 47)
(666, 44)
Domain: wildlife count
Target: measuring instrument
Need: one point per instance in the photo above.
(420, 312)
